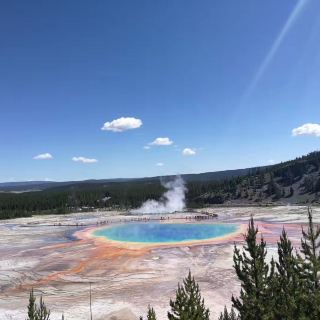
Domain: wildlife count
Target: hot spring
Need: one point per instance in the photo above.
(165, 232)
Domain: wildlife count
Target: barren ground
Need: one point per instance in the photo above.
(43, 252)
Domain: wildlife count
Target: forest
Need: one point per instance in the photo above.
(294, 182)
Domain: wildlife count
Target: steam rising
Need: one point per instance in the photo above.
(172, 200)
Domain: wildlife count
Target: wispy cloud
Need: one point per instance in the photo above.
(188, 152)
(84, 160)
(43, 156)
(146, 147)
(161, 142)
(122, 124)
(311, 129)
(160, 164)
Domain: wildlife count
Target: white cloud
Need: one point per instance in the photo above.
(43, 156)
(161, 142)
(84, 160)
(122, 124)
(271, 161)
(160, 164)
(146, 147)
(312, 129)
(188, 152)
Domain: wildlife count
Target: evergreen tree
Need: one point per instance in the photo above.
(151, 314)
(255, 277)
(225, 315)
(286, 283)
(310, 248)
(310, 267)
(32, 307)
(188, 304)
(233, 315)
(37, 312)
(291, 192)
(41, 311)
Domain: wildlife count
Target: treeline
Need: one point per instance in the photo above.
(298, 179)
(287, 288)
(79, 197)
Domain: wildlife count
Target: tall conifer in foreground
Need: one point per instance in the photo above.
(225, 315)
(151, 314)
(310, 267)
(287, 285)
(37, 312)
(310, 248)
(42, 312)
(188, 304)
(32, 306)
(254, 274)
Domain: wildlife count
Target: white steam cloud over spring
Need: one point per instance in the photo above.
(172, 200)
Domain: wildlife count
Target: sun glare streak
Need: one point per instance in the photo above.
(275, 46)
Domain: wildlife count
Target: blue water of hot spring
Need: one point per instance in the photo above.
(165, 232)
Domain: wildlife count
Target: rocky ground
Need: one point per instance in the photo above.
(44, 252)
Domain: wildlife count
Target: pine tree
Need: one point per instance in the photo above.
(232, 315)
(255, 277)
(151, 314)
(310, 248)
(188, 304)
(286, 283)
(37, 312)
(225, 315)
(310, 268)
(32, 307)
(291, 192)
(41, 311)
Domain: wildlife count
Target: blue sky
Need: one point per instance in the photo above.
(228, 80)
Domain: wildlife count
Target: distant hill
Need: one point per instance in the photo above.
(28, 186)
(23, 184)
(292, 182)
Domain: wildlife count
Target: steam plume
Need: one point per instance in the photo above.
(172, 200)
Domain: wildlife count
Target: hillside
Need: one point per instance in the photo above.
(27, 186)
(292, 182)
